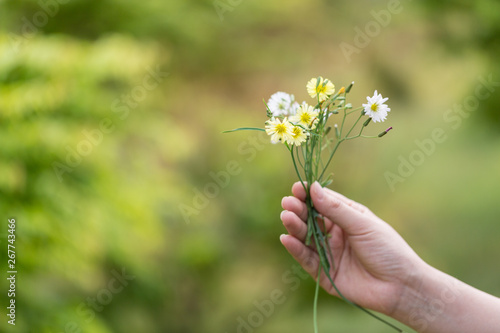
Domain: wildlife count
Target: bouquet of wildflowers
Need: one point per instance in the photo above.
(307, 133)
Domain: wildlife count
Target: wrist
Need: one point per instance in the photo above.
(426, 297)
(413, 297)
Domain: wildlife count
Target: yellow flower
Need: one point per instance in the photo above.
(320, 87)
(298, 136)
(306, 116)
(279, 131)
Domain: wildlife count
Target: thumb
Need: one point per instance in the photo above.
(350, 220)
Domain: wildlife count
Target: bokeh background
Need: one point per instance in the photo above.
(153, 83)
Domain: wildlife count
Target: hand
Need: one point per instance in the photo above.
(377, 269)
(373, 265)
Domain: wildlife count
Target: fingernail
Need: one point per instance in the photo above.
(282, 201)
(318, 191)
(281, 237)
(281, 214)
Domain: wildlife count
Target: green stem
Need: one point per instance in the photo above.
(315, 309)
(319, 143)
(354, 110)
(357, 121)
(298, 157)
(295, 165)
(343, 121)
(320, 178)
(362, 136)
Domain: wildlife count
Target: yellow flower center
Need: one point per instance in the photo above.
(296, 132)
(280, 129)
(374, 107)
(305, 118)
(321, 89)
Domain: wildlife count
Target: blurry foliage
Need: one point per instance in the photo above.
(75, 228)
(120, 206)
(464, 25)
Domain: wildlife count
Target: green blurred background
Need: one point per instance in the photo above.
(143, 89)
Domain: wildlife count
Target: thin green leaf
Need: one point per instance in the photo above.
(245, 129)
(327, 182)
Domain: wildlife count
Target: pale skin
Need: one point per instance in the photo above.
(377, 269)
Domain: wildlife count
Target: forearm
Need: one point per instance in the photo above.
(439, 303)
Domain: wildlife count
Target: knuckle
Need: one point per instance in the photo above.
(335, 203)
(308, 264)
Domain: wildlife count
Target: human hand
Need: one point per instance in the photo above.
(373, 265)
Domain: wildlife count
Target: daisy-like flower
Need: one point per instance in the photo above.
(320, 87)
(306, 116)
(299, 135)
(279, 130)
(282, 104)
(375, 108)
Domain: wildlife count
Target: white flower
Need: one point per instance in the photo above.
(375, 108)
(279, 131)
(320, 88)
(298, 136)
(282, 104)
(306, 116)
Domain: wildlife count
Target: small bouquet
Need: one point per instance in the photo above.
(306, 132)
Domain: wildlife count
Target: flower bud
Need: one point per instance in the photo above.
(348, 89)
(337, 133)
(342, 90)
(384, 132)
(367, 122)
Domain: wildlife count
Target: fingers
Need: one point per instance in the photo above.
(295, 217)
(298, 191)
(351, 203)
(308, 259)
(305, 256)
(294, 225)
(295, 205)
(350, 219)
